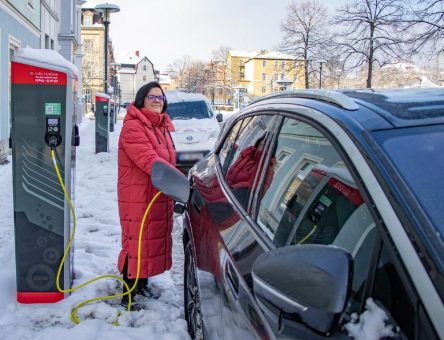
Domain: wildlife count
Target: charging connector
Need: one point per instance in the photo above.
(53, 138)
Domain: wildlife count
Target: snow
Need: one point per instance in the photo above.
(97, 244)
(47, 56)
(372, 324)
(102, 95)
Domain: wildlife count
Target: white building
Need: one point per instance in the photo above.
(135, 71)
(46, 24)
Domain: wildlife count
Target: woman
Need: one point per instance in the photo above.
(145, 138)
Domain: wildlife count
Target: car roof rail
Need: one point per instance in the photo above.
(333, 97)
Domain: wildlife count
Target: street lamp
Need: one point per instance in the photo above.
(338, 75)
(106, 10)
(320, 74)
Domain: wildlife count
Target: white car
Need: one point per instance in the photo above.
(197, 126)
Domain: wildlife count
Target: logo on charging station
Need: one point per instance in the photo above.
(53, 109)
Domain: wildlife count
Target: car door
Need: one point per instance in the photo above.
(241, 158)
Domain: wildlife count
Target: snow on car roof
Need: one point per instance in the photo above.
(177, 96)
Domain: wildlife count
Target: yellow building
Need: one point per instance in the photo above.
(269, 72)
(261, 72)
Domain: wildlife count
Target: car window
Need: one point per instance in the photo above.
(188, 110)
(241, 154)
(312, 199)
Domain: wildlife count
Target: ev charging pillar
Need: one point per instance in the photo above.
(43, 97)
(102, 122)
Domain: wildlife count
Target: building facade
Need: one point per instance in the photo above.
(24, 23)
(134, 72)
(270, 72)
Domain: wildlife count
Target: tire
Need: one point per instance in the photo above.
(191, 296)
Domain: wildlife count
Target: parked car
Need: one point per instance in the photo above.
(311, 203)
(125, 104)
(196, 125)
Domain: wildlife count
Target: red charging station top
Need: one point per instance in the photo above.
(101, 99)
(29, 74)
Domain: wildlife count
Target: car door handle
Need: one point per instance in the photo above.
(232, 279)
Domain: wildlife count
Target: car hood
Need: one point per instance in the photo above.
(191, 131)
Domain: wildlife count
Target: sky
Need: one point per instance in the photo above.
(169, 29)
(96, 247)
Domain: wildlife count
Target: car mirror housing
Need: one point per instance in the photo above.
(307, 283)
(170, 181)
(219, 117)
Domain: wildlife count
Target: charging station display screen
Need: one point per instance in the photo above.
(53, 121)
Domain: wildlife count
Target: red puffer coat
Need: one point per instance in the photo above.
(144, 139)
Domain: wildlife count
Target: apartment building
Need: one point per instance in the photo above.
(269, 72)
(35, 24)
(134, 72)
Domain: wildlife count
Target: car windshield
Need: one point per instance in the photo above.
(417, 155)
(188, 110)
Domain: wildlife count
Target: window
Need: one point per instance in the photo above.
(276, 64)
(264, 76)
(264, 63)
(144, 68)
(241, 62)
(241, 154)
(276, 77)
(87, 20)
(310, 198)
(283, 64)
(264, 89)
(87, 96)
(46, 41)
(282, 76)
(144, 78)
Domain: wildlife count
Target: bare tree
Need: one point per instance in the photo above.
(221, 72)
(177, 69)
(424, 24)
(370, 33)
(305, 34)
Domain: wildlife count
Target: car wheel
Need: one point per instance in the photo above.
(191, 296)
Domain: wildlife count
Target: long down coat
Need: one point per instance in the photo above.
(144, 139)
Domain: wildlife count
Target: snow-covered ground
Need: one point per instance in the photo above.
(97, 243)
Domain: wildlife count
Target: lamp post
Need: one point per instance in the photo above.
(106, 9)
(320, 74)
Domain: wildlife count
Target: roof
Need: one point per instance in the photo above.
(275, 55)
(245, 54)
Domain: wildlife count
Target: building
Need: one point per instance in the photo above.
(166, 82)
(270, 72)
(35, 24)
(134, 72)
(93, 64)
(236, 63)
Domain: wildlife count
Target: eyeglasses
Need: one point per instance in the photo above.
(152, 98)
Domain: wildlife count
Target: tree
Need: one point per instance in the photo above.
(221, 72)
(177, 69)
(305, 34)
(371, 33)
(424, 23)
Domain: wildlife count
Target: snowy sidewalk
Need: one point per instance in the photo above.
(97, 243)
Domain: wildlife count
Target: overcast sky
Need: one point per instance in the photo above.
(165, 30)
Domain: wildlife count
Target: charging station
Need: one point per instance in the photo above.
(102, 122)
(43, 115)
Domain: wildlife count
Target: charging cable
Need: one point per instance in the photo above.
(128, 290)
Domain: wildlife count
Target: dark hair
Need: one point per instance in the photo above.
(143, 92)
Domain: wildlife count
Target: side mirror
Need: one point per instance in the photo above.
(170, 181)
(304, 283)
(219, 117)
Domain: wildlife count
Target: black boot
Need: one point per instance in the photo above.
(143, 289)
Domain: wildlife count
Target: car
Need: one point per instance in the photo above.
(196, 126)
(312, 205)
(125, 104)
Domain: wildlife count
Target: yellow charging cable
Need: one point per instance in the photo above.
(128, 290)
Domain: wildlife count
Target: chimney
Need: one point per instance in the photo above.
(137, 54)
